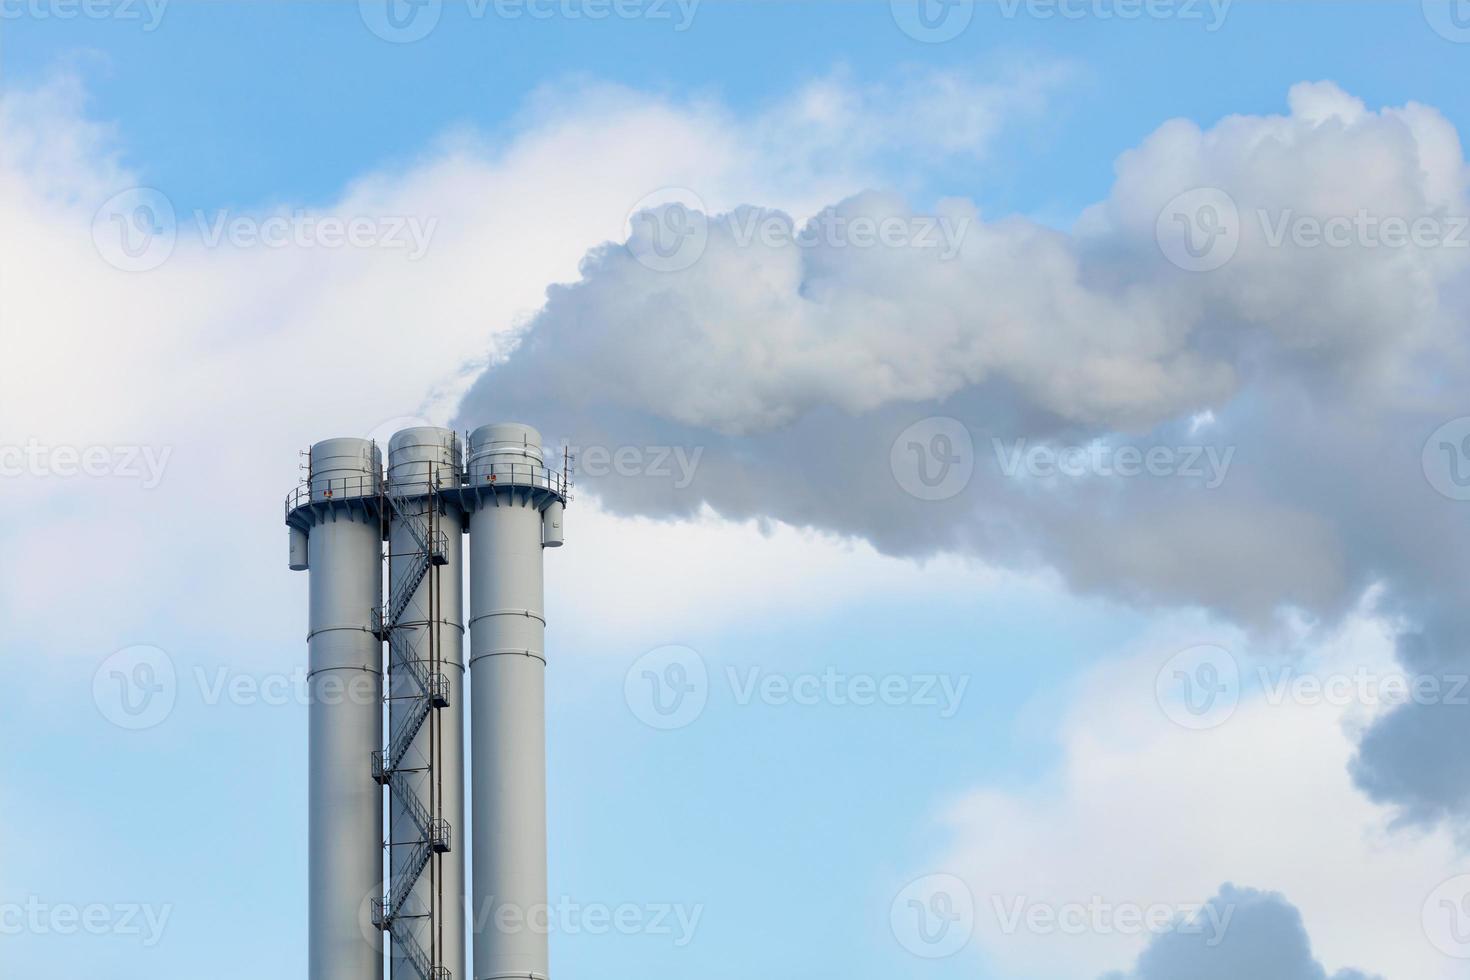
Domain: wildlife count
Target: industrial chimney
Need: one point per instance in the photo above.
(411, 882)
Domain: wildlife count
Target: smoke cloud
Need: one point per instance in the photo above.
(1265, 940)
(1232, 385)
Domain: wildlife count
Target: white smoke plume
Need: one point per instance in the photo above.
(1220, 389)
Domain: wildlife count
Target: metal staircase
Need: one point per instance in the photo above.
(432, 693)
(417, 510)
(416, 955)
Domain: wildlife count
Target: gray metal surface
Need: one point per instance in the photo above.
(345, 711)
(421, 462)
(507, 691)
(336, 519)
(552, 535)
(345, 467)
(297, 549)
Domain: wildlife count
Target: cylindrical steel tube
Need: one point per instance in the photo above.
(428, 642)
(345, 712)
(508, 720)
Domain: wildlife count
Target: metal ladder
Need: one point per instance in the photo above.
(430, 692)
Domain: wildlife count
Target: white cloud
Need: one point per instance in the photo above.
(1145, 811)
(639, 581)
(1093, 328)
(1302, 278)
(230, 358)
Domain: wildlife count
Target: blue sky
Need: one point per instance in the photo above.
(247, 105)
(790, 830)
